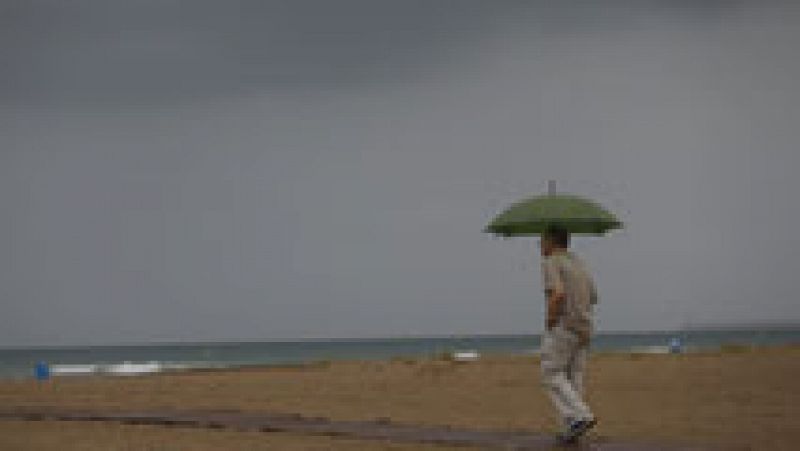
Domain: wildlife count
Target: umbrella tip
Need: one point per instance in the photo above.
(551, 187)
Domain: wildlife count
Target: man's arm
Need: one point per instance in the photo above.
(554, 293)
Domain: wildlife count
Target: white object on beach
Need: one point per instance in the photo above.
(649, 350)
(132, 369)
(465, 356)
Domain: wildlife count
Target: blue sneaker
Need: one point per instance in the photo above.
(576, 430)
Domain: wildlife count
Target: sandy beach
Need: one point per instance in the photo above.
(740, 396)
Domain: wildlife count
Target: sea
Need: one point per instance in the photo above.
(126, 360)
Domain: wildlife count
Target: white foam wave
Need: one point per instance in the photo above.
(126, 368)
(73, 370)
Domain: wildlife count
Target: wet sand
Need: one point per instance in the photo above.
(91, 436)
(738, 396)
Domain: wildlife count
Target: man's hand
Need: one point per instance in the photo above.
(551, 321)
(555, 301)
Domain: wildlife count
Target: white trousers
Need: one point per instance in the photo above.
(563, 364)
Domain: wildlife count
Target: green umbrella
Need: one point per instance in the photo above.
(531, 216)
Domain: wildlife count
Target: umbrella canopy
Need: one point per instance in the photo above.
(532, 216)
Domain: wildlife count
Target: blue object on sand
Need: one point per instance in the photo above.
(41, 371)
(675, 345)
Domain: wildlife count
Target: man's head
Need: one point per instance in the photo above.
(554, 238)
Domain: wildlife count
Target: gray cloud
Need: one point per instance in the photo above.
(161, 52)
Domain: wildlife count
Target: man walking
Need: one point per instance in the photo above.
(570, 294)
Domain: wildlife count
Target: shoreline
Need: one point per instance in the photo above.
(445, 356)
(153, 367)
(16, 364)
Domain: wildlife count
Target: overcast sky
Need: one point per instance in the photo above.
(260, 170)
